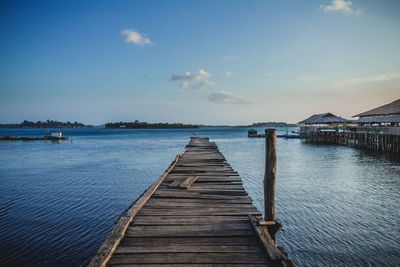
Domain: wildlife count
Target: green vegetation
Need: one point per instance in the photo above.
(272, 124)
(144, 125)
(46, 124)
(254, 125)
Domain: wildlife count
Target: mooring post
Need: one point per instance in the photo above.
(270, 177)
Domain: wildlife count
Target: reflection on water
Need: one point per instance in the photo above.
(58, 202)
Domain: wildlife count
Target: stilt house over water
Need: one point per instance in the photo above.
(385, 119)
(388, 115)
(324, 121)
(377, 129)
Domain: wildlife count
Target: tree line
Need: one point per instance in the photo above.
(46, 124)
(144, 125)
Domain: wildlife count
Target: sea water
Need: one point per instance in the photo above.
(339, 206)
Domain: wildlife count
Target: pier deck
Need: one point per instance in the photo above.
(196, 213)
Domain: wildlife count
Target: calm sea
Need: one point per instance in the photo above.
(58, 202)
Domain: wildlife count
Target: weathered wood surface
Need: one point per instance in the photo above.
(199, 213)
(270, 174)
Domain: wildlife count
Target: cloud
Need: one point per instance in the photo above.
(197, 80)
(339, 5)
(227, 98)
(197, 85)
(227, 73)
(132, 36)
(201, 74)
(370, 79)
(231, 57)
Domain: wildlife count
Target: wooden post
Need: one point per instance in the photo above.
(270, 176)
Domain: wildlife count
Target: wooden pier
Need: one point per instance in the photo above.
(196, 213)
(371, 141)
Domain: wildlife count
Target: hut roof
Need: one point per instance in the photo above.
(379, 119)
(388, 109)
(324, 118)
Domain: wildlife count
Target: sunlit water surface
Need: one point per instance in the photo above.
(58, 202)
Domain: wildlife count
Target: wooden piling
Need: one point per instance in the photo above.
(366, 140)
(270, 176)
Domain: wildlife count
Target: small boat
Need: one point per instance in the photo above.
(295, 135)
(254, 133)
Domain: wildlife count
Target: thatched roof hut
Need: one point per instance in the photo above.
(324, 118)
(389, 113)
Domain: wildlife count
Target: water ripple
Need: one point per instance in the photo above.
(58, 202)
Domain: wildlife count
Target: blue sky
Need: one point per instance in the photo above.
(209, 62)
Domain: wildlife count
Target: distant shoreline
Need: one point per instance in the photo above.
(144, 125)
(46, 124)
(13, 126)
(136, 125)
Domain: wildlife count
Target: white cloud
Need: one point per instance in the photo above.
(201, 74)
(231, 57)
(227, 73)
(197, 85)
(132, 36)
(205, 83)
(197, 80)
(339, 5)
(227, 98)
(370, 79)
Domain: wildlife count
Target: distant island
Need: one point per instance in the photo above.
(137, 125)
(272, 124)
(46, 124)
(254, 125)
(144, 125)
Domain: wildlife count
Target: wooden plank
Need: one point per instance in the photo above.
(210, 186)
(207, 176)
(190, 265)
(204, 178)
(105, 252)
(233, 192)
(186, 220)
(176, 182)
(192, 241)
(226, 192)
(194, 200)
(213, 182)
(189, 231)
(204, 164)
(188, 182)
(269, 244)
(205, 168)
(213, 233)
(204, 227)
(190, 258)
(199, 210)
(166, 204)
(254, 248)
(209, 211)
(196, 195)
